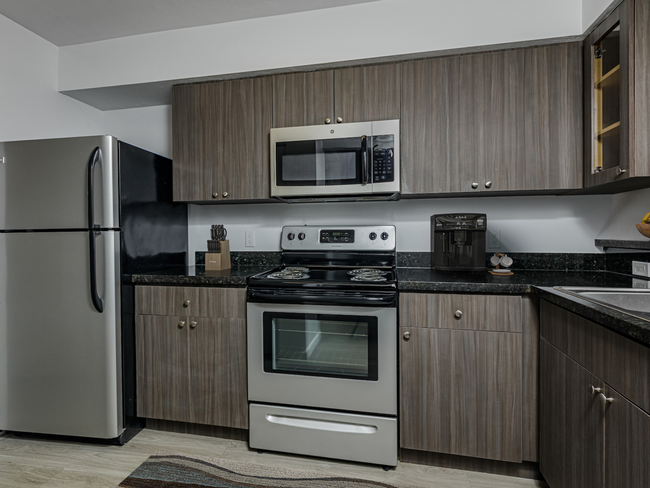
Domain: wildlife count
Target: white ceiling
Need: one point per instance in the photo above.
(67, 22)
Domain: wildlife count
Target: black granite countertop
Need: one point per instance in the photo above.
(522, 281)
(237, 277)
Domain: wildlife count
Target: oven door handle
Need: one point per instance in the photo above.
(306, 297)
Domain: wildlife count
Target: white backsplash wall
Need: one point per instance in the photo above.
(525, 224)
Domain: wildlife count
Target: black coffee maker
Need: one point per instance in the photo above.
(458, 242)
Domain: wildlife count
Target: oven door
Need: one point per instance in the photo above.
(321, 160)
(339, 357)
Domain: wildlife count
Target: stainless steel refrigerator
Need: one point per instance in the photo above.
(77, 216)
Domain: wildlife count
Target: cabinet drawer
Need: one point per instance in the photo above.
(185, 301)
(496, 313)
(166, 300)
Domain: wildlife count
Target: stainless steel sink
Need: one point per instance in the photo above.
(626, 299)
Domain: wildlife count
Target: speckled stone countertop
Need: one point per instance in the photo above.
(236, 277)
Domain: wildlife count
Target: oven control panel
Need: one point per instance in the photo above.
(348, 238)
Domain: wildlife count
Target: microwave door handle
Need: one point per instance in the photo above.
(364, 160)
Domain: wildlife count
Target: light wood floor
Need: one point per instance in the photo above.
(26, 462)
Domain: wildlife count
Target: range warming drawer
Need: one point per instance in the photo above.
(363, 438)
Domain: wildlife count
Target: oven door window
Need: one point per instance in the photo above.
(320, 162)
(335, 346)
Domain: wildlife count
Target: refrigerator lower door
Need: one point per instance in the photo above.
(60, 359)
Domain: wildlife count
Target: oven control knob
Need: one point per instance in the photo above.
(384, 236)
(301, 236)
(373, 236)
(291, 236)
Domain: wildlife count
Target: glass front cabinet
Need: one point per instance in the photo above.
(609, 85)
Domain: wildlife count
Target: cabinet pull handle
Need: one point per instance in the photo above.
(192, 324)
(458, 314)
(186, 303)
(595, 390)
(488, 184)
(215, 195)
(475, 185)
(407, 336)
(339, 120)
(620, 171)
(328, 120)
(225, 194)
(181, 324)
(605, 399)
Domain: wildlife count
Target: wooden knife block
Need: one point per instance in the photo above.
(215, 261)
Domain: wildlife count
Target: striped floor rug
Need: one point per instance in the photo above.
(168, 470)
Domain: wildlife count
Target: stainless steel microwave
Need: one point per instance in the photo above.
(356, 159)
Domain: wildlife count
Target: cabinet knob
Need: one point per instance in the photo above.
(192, 324)
(488, 184)
(328, 120)
(595, 390)
(407, 336)
(339, 120)
(458, 314)
(605, 399)
(215, 195)
(181, 324)
(620, 171)
(186, 303)
(475, 185)
(224, 194)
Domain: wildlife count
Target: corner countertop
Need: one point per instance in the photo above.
(236, 277)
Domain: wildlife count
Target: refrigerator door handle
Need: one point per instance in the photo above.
(93, 231)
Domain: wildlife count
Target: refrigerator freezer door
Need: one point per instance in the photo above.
(60, 359)
(44, 184)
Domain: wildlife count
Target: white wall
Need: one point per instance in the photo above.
(30, 105)
(526, 224)
(149, 128)
(323, 36)
(591, 9)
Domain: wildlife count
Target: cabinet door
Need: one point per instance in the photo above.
(162, 367)
(553, 117)
(442, 106)
(460, 393)
(218, 392)
(246, 110)
(367, 93)
(627, 443)
(303, 98)
(571, 423)
(197, 151)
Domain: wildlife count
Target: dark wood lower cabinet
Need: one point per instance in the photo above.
(460, 393)
(192, 370)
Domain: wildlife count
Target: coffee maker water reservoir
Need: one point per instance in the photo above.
(458, 242)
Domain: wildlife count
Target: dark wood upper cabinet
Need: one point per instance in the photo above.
(617, 96)
(358, 94)
(499, 121)
(221, 140)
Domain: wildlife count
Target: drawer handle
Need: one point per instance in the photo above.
(407, 336)
(314, 424)
(458, 314)
(193, 324)
(186, 303)
(181, 324)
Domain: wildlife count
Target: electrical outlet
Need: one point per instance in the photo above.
(494, 239)
(250, 238)
(637, 283)
(640, 268)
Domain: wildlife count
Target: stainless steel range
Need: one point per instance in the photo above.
(322, 346)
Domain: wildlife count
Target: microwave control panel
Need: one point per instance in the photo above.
(383, 159)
